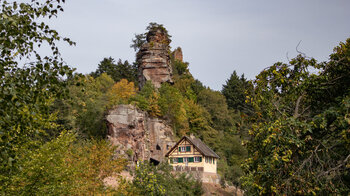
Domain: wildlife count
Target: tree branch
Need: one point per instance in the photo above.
(296, 110)
(335, 168)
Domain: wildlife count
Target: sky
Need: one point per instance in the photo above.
(216, 36)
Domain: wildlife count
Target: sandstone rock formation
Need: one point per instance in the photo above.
(154, 60)
(178, 54)
(138, 136)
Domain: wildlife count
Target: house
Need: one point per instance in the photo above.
(191, 154)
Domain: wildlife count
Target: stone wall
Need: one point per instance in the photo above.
(138, 136)
(199, 174)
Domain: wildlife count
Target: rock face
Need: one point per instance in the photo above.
(137, 135)
(178, 54)
(154, 60)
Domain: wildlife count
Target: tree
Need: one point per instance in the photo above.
(159, 180)
(121, 92)
(147, 100)
(172, 106)
(197, 117)
(215, 103)
(26, 92)
(85, 106)
(141, 39)
(232, 155)
(235, 90)
(65, 166)
(299, 137)
(107, 65)
(117, 71)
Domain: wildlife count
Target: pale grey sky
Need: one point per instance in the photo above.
(216, 36)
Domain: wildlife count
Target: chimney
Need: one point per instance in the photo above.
(192, 136)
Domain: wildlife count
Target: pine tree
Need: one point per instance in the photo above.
(118, 71)
(235, 92)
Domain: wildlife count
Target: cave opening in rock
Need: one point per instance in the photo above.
(153, 161)
(158, 147)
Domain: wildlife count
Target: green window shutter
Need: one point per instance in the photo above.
(180, 160)
(188, 148)
(200, 159)
(190, 159)
(179, 149)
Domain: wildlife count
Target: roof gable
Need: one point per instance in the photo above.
(198, 144)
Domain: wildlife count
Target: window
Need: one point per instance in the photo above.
(180, 160)
(213, 161)
(210, 160)
(185, 149)
(190, 159)
(185, 159)
(188, 148)
(197, 159)
(175, 160)
(206, 159)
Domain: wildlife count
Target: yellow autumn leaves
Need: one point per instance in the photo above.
(121, 92)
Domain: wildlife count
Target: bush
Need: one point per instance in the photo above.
(62, 167)
(158, 180)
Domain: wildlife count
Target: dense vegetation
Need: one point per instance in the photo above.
(286, 132)
(300, 129)
(51, 130)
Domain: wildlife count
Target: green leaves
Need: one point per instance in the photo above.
(117, 71)
(299, 137)
(235, 91)
(21, 33)
(27, 91)
(159, 180)
(65, 166)
(140, 39)
(85, 106)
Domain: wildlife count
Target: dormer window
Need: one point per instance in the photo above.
(185, 149)
(188, 148)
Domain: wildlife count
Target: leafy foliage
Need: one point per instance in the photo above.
(300, 134)
(147, 100)
(141, 39)
(61, 167)
(117, 71)
(121, 92)
(235, 90)
(215, 103)
(85, 106)
(26, 92)
(297, 114)
(180, 68)
(172, 107)
(35, 157)
(159, 180)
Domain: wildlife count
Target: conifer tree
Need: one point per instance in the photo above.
(235, 90)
